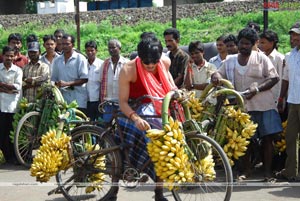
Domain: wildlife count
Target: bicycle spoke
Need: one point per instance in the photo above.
(216, 184)
(77, 182)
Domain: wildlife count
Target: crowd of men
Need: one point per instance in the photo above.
(249, 60)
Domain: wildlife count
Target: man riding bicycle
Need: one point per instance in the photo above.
(148, 74)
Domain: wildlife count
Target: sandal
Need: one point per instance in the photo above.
(242, 177)
(280, 176)
(270, 180)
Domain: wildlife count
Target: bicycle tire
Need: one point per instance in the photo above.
(74, 181)
(26, 139)
(220, 188)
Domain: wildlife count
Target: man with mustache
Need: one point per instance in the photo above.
(70, 73)
(179, 59)
(253, 71)
(231, 44)
(10, 93)
(290, 90)
(15, 41)
(35, 73)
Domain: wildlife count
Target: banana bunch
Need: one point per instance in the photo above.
(206, 167)
(23, 107)
(2, 158)
(99, 163)
(23, 104)
(59, 99)
(167, 150)
(51, 157)
(195, 106)
(200, 110)
(281, 144)
(233, 131)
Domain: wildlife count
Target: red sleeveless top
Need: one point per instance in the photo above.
(137, 88)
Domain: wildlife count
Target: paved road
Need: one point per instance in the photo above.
(16, 184)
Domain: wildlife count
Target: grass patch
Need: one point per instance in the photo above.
(205, 28)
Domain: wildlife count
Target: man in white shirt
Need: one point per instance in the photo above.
(109, 75)
(253, 71)
(51, 54)
(291, 85)
(93, 84)
(268, 43)
(10, 92)
(198, 72)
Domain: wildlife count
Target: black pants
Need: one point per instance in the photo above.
(92, 110)
(6, 145)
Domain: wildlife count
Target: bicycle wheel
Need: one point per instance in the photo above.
(214, 186)
(77, 182)
(27, 140)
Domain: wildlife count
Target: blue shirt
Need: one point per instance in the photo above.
(216, 60)
(75, 68)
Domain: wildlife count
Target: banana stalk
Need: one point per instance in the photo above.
(207, 89)
(165, 108)
(224, 91)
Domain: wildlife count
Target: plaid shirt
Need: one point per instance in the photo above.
(39, 73)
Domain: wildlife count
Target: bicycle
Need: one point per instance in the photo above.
(95, 154)
(35, 123)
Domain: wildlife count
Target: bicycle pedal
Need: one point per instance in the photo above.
(144, 178)
(55, 191)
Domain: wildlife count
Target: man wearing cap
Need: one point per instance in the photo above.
(35, 73)
(291, 85)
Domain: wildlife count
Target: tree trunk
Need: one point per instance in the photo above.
(12, 7)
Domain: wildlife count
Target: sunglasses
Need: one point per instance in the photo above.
(150, 61)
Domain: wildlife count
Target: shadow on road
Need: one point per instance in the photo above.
(289, 192)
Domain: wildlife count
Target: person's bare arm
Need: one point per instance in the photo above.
(127, 75)
(283, 95)
(125, 78)
(266, 85)
(77, 82)
(7, 86)
(188, 79)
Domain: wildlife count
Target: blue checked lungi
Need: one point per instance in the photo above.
(138, 154)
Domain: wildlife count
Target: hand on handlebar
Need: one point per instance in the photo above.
(216, 79)
(249, 93)
(141, 124)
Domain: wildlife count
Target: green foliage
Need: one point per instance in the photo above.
(205, 28)
(31, 6)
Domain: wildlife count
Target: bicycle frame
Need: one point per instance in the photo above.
(83, 159)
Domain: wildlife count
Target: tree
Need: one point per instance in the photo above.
(12, 7)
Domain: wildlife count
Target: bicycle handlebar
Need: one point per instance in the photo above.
(132, 102)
